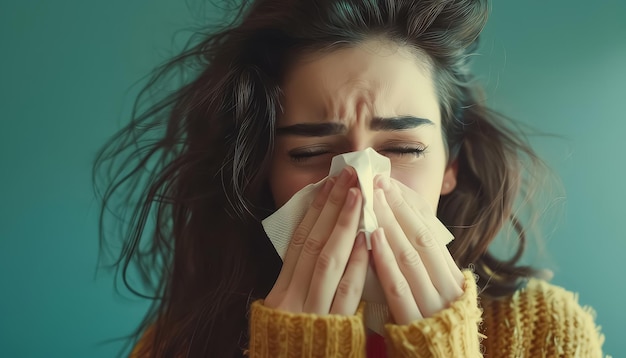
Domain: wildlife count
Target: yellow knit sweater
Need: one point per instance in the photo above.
(541, 320)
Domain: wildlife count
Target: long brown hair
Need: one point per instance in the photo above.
(192, 166)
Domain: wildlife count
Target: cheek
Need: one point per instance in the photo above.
(424, 181)
(285, 181)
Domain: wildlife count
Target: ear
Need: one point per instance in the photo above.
(449, 178)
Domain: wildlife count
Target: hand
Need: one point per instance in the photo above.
(417, 272)
(324, 268)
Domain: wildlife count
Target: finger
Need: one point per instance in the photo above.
(433, 223)
(454, 268)
(316, 239)
(298, 238)
(350, 288)
(424, 240)
(439, 230)
(427, 234)
(331, 262)
(419, 205)
(397, 291)
(408, 259)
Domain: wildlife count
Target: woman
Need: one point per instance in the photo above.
(272, 98)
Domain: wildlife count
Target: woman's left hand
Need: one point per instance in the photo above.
(417, 272)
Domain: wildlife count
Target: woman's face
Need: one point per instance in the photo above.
(375, 95)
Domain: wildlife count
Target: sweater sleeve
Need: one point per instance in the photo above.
(275, 333)
(452, 332)
(576, 332)
(548, 321)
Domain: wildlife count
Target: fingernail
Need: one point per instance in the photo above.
(360, 240)
(328, 185)
(352, 194)
(383, 183)
(344, 176)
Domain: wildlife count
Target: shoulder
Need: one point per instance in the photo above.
(552, 302)
(543, 317)
(542, 300)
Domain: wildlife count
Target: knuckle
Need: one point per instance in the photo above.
(337, 197)
(312, 247)
(326, 263)
(399, 288)
(347, 289)
(409, 258)
(300, 235)
(424, 238)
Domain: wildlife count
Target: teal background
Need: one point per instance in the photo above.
(66, 71)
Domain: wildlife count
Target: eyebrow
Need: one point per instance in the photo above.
(333, 128)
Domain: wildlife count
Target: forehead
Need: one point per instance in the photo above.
(379, 77)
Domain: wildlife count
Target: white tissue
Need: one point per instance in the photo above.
(367, 163)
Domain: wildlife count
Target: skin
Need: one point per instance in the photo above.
(333, 104)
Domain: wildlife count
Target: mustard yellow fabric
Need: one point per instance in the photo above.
(541, 320)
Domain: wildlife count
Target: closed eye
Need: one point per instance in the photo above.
(315, 154)
(404, 151)
(302, 155)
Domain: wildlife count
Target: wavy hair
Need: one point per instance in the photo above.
(186, 179)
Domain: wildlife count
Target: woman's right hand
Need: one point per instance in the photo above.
(324, 268)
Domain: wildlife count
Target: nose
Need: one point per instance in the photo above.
(359, 138)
